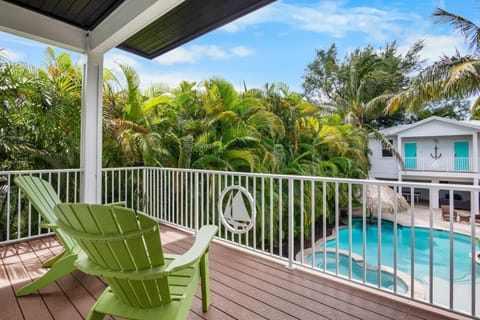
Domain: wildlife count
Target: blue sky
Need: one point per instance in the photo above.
(275, 43)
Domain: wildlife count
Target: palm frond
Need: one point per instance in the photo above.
(467, 28)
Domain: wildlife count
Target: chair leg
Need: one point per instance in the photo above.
(51, 261)
(62, 267)
(205, 281)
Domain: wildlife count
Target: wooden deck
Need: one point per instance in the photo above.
(243, 286)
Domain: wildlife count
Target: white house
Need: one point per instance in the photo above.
(436, 150)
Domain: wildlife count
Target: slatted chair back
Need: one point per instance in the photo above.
(44, 198)
(118, 240)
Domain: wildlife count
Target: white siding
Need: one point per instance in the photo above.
(445, 148)
(382, 167)
(436, 129)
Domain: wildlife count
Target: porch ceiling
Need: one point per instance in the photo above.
(180, 23)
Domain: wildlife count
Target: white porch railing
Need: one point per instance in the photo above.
(18, 219)
(324, 224)
(458, 164)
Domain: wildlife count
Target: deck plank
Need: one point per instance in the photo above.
(7, 296)
(243, 286)
(59, 305)
(32, 306)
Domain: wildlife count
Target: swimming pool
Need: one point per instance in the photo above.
(441, 253)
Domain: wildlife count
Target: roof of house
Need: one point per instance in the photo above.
(393, 131)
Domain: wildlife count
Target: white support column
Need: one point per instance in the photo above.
(91, 134)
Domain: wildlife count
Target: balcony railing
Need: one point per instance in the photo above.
(457, 164)
(354, 229)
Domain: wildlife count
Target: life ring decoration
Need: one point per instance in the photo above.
(235, 215)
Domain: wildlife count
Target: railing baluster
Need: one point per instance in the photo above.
(312, 206)
(430, 251)
(213, 200)
(262, 238)
(337, 217)
(412, 243)
(324, 226)
(349, 231)
(196, 205)
(271, 216)
(395, 240)
(19, 215)
(254, 203)
(473, 239)
(280, 216)
(291, 200)
(450, 299)
(302, 226)
(364, 231)
(379, 236)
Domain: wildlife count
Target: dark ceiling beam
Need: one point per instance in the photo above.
(188, 21)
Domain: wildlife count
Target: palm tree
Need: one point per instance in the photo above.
(229, 143)
(452, 77)
(128, 127)
(357, 87)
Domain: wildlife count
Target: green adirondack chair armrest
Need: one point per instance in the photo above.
(47, 225)
(198, 249)
(117, 204)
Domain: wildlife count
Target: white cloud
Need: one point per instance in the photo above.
(241, 51)
(194, 53)
(439, 45)
(178, 55)
(328, 17)
(172, 79)
(435, 46)
(12, 55)
(113, 59)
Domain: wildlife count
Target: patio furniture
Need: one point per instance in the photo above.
(125, 248)
(44, 198)
(464, 217)
(446, 213)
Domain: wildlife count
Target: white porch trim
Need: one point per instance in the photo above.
(91, 130)
(35, 26)
(129, 18)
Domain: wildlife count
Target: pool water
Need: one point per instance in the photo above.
(357, 271)
(462, 262)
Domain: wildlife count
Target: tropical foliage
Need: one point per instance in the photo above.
(451, 77)
(358, 87)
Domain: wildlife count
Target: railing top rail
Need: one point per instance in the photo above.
(24, 172)
(459, 187)
(125, 168)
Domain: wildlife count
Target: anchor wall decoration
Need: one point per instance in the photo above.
(436, 156)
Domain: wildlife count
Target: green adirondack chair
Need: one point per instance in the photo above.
(124, 247)
(44, 198)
